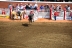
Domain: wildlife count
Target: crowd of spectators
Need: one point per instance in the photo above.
(49, 0)
(46, 7)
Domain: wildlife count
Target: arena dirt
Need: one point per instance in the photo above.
(50, 34)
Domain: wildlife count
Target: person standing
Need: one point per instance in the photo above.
(55, 14)
(31, 16)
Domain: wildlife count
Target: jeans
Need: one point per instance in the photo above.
(55, 17)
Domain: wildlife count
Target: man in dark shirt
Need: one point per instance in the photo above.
(31, 15)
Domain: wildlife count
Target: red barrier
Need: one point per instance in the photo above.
(50, 13)
(10, 12)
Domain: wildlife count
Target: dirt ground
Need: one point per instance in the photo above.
(39, 20)
(40, 34)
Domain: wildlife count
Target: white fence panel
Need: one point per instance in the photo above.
(44, 15)
(67, 16)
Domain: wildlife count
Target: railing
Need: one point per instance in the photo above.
(42, 14)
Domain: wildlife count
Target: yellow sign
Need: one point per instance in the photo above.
(4, 16)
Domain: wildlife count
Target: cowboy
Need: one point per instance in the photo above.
(31, 15)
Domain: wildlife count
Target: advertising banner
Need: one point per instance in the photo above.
(4, 13)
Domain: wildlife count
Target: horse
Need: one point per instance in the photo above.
(16, 14)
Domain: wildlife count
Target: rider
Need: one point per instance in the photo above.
(31, 16)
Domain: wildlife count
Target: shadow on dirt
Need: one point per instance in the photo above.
(25, 25)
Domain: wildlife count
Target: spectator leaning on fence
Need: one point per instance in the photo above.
(46, 7)
(57, 7)
(17, 7)
(35, 6)
(68, 8)
(31, 7)
(60, 8)
(52, 6)
(21, 6)
(41, 7)
(18, 10)
(13, 6)
(9, 6)
(27, 6)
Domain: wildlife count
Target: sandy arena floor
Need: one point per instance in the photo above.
(42, 33)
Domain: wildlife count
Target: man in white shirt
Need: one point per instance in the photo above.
(18, 10)
(21, 6)
(35, 6)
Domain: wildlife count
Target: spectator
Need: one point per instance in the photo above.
(46, 8)
(18, 10)
(18, 7)
(13, 6)
(21, 6)
(57, 7)
(56, 14)
(35, 6)
(27, 6)
(60, 8)
(52, 6)
(41, 7)
(24, 5)
(9, 6)
(31, 7)
(68, 8)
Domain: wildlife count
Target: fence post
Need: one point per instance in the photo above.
(64, 13)
(10, 12)
(50, 13)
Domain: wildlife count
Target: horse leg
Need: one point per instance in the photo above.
(20, 17)
(29, 21)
